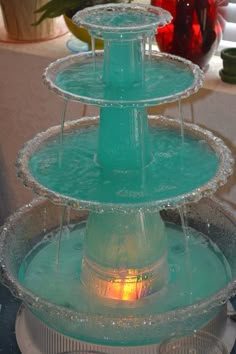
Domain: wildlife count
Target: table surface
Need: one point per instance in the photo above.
(8, 309)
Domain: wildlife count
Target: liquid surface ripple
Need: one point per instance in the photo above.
(163, 78)
(187, 285)
(176, 168)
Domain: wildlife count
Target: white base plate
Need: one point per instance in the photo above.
(56, 343)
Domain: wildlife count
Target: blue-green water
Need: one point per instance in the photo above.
(162, 78)
(124, 18)
(168, 166)
(62, 286)
(175, 169)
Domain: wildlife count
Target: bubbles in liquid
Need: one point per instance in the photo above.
(175, 169)
(38, 270)
(164, 78)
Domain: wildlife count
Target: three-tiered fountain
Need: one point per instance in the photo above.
(127, 248)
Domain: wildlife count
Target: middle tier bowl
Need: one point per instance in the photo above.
(80, 78)
(65, 169)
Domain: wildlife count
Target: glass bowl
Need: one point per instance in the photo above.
(148, 201)
(26, 228)
(198, 342)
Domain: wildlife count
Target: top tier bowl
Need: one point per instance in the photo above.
(123, 20)
(124, 75)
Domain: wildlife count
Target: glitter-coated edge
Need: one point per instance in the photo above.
(225, 169)
(51, 72)
(202, 307)
(163, 17)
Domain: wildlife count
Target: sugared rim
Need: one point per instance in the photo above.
(51, 72)
(225, 169)
(83, 18)
(32, 300)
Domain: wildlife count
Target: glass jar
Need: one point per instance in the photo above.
(195, 30)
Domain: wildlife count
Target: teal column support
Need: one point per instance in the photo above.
(123, 139)
(123, 131)
(125, 256)
(123, 62)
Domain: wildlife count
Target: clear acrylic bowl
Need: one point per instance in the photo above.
(26, 228)
(224, 170)
(103, 97)
(193, 343)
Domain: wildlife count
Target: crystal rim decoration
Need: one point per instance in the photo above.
(50, 73)
(225, 169)
(163, 17)
(219, 325)
(202, 307)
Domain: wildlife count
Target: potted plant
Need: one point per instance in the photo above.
(228, 73)
(18, 16)
(68, 8)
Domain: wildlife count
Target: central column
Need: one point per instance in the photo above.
(123, 60)
(125, 255)
(123, 131)
(125, 251)
(123, 139)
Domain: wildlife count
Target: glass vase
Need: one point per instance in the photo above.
(195, 30)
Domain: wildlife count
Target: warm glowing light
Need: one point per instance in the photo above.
(123, 284)
(128, 288)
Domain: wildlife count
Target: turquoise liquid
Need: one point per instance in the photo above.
(73, 171)
(62, 286)
(131, 18)
(127, 162)
(161, 79)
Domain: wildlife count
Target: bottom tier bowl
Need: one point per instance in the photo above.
(62, 303)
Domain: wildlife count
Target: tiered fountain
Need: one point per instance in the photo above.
(128, 247)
